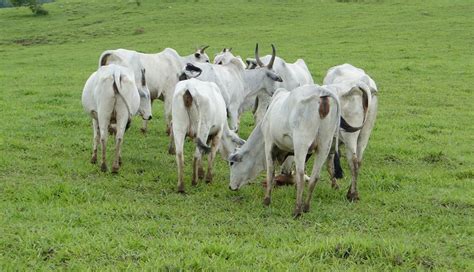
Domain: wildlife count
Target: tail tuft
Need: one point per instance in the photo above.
(339, 173)
(202, 146)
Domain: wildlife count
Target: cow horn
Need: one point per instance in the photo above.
(257, 58)
(203, 48)
(270, 64)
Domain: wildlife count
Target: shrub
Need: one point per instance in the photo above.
(34, 5)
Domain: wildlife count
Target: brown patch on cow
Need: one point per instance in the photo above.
(323, 106)
(104, 59)
(365, 102)
(188, 99)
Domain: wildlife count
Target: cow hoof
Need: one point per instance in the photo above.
(103, 167)
(181, 190)
(352, 197)
(194, 183)
(143, 130)
(306, 207)
(115, 169)
(284, 180)
(267, 201)
(171, 150)
(94, 159)
(334, 185)
(297, 213)
(209, 177)
(201, 173)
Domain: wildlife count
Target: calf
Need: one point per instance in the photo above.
(111, 96)
(199, 111)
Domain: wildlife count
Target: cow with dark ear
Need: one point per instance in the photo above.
(201, 55)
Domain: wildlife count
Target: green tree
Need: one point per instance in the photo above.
(34, 5)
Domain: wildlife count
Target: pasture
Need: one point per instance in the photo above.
(57, 211)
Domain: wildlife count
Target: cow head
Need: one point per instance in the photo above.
(200, 55)
(224, 56)
(266, 75)
(145, 102)
(269, 67)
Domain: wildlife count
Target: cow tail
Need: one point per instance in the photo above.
(189, 101)
(117, 86)
(338, 172)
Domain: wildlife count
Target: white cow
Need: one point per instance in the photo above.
(110, 96)
(300, 122)
(294, 75)
(225, 56)
(199, 112)
(236, 83)
(163, 70)
(359, 106)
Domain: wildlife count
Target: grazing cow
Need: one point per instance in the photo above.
(163, 70)
(294, 75)
(358, 97)
(235, 82)
(301, 122)
(111, 96)
(199, 112)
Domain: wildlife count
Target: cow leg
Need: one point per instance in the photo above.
(104, 133)
(168, 102)
(212, 155)
(321, 155)
(171, 146)
(331, 171)
(270, 173)
(179, 143)
(301, 151)
(96, 140)
(122, 119)
(144, 127)
(351, 145)
(263, 102)
(196, 163)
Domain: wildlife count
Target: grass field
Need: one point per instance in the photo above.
(57, 211)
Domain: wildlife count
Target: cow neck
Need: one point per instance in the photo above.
(254, 80)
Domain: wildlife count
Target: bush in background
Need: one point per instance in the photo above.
(34, 5)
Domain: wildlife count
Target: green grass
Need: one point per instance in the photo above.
(57, 211)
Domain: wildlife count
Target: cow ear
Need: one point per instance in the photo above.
(274, 76)
(236, 157)
(251, 63)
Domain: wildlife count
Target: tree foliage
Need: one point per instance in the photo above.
(34, 5)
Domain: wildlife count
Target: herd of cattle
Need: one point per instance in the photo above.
(294, 117)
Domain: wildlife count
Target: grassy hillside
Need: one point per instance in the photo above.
(57, 211)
